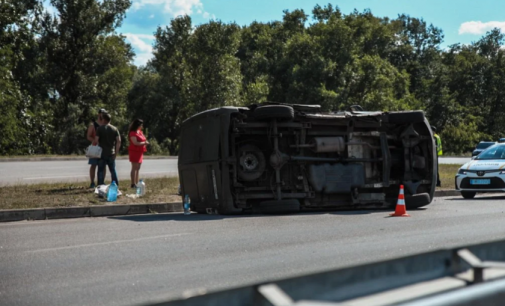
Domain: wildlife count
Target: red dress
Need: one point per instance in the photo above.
(136, 153)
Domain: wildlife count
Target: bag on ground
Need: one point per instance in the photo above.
(103, 190)
(94, 152)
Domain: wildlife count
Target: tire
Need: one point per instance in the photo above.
(251, 162)
(280, 207)
(406, 117)
(468, 194)
(279, 112)
(417, 200)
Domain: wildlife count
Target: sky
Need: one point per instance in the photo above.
(462, 21)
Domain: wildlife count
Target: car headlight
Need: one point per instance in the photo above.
(463, 171)
(502, 172)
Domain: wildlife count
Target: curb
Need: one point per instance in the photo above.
(447, 193)
(90, 211)
(31, 159)
(114, 210)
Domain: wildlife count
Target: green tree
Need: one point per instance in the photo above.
(167, 78)
(84, 51)
(14, 138)
(417, 49)
(215, 78)
(24, 131)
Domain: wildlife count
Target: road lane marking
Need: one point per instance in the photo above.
(104, 243)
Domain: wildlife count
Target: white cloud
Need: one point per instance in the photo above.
(142, 58)
(174, 7)
(142, 43)
(151, 16)
(49, 8)
(479, 27)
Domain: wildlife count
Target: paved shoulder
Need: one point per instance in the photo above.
(136, 259)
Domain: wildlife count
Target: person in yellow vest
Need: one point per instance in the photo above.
(438, 143)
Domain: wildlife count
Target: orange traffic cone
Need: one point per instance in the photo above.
(400, 210)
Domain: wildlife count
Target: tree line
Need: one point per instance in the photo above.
(57, 70)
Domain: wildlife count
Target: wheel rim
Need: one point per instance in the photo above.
(250, 162)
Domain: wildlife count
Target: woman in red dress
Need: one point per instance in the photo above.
(138, 143)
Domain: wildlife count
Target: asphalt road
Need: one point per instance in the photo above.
(136, 259)
(78, 170)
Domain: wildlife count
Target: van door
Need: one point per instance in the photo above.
(199, 160)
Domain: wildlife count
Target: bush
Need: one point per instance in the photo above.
(462, 138)
(154, 148)
(166, 145)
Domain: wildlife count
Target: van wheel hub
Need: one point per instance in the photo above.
(250, 162)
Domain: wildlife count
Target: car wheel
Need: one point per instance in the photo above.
(468, 194)
(251, 161)
(280, 207)
(279, 112)
(406, 117)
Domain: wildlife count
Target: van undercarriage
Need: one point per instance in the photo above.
(283, 158)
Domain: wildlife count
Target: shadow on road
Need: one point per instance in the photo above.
(479, 198)
(170, 217)
(202, 217)
(181, 217)
(358, 212)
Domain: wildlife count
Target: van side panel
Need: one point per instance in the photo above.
(204, 150)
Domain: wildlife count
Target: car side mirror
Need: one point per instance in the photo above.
(474, 157)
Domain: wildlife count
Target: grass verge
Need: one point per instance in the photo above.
(158, 190)
(447, 173)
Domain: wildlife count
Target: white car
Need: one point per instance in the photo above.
(484, 173)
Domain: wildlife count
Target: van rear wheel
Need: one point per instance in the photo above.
(279, 112)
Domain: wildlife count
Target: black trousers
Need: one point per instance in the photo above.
(438, 175)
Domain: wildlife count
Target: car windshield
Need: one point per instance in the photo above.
(484, 145)
(494, 152)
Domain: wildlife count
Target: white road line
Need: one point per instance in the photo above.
(104, 243)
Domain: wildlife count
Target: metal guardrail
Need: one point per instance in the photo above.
(459, 276)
